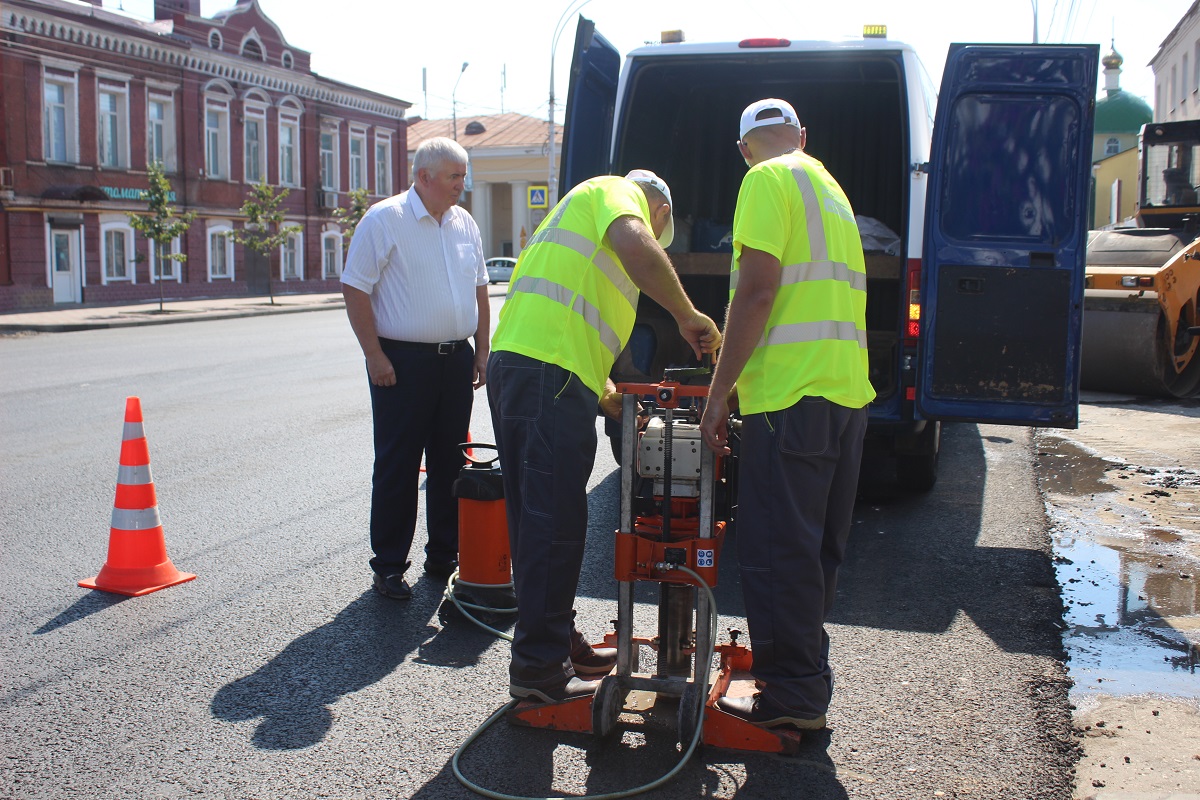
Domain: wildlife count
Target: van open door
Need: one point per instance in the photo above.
(591, 99)
(1006, 235)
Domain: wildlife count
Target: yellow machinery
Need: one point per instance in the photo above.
(1142, 286)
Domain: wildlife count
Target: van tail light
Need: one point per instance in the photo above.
(912, 303)
(764, 42)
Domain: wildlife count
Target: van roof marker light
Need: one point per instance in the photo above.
(874, 31)
(763, 42)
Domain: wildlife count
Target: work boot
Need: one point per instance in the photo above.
(394, 585)
(593, 662)
(572, 688)
(759, 711)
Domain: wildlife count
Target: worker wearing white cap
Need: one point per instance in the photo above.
(796, 348)
(569, 313)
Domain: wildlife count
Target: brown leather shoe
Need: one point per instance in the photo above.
(593, 662)
(758, 711)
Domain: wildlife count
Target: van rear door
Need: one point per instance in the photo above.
(1006, 235)
(591, 99)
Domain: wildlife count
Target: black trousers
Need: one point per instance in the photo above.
(428, 411)
(799, 475)
(544, 420)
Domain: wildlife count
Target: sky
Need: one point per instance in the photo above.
(384, 45)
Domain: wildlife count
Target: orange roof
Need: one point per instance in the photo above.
(499, 130)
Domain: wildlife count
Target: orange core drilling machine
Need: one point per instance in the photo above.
(669, 534)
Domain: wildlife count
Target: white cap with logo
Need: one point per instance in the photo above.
(649, 178)
(784, 115)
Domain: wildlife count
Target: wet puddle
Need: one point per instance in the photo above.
(1130, 588)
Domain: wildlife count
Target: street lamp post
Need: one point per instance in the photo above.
(574, 7)
(454, 102)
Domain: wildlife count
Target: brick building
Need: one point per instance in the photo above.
(92, 96)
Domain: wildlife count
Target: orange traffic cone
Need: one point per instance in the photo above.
(137, 555)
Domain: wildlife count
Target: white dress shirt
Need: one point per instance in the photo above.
(421, 276)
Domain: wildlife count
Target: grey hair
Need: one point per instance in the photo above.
(433, 153)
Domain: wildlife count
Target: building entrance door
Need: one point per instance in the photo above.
(65, 269)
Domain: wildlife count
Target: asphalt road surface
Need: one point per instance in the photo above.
(278, 673)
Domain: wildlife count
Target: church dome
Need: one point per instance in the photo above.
(1122, 112)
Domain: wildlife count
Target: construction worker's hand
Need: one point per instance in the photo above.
(611, 400)
(714, 425)
(481, 359)
(380, 370)
(701, 333)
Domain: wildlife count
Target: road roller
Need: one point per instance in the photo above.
(1142, 283)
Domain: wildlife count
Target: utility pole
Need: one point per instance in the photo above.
(574, 6)
(454, 102)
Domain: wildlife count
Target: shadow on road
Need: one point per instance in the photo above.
(1011, 593)
(85, 606)
(362, 645)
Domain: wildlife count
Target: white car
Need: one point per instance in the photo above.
(500, 269)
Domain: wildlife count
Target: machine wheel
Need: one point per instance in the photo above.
(690, 713)
(606, 707)
(918, 473)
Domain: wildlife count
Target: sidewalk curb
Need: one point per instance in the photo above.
(183, 316)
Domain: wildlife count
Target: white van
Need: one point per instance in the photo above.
(974, 291)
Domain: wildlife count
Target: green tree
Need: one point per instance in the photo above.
(161, 224)
(264, 230)
(349, 218)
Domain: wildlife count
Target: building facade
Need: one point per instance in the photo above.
(1176, 68)
(92, 97)
(508, 172)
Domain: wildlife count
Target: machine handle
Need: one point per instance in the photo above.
(482, 462)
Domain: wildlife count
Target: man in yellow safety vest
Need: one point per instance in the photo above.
(569, 313)
(796, 346)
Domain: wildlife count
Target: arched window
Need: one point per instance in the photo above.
(287, 60)
(252, 49)
(214, 40)
(331, 254)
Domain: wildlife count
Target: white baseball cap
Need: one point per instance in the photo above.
(649, 178)
(785, 115)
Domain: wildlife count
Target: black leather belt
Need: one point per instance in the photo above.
(441, 348)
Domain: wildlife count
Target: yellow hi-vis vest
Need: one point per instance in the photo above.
(570, 301)
(815, 341)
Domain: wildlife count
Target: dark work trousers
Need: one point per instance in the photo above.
(428, 410)
(799, 475)
(544, 419)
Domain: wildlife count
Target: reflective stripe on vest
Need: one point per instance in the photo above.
(814, 271)
(562, 295)
(823, 330)
(592, 252)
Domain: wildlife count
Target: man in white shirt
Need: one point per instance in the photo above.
(416, 288)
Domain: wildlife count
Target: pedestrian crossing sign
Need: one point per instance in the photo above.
(537, 197)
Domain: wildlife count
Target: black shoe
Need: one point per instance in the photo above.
(441, 570)
(593, 662)
(574, 687)
(758, 711)
(393, 586)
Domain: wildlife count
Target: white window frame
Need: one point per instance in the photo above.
(167, 124)
(218, 99)
(170, 265)
(1112, 146)
(358, 163)
(289, 118)
(222, 228)
(112, 125)
(292, 245)
(69, 83)
(117, 225)
(329, 158)
(255, 111)
(383, 175)
(338, 239)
